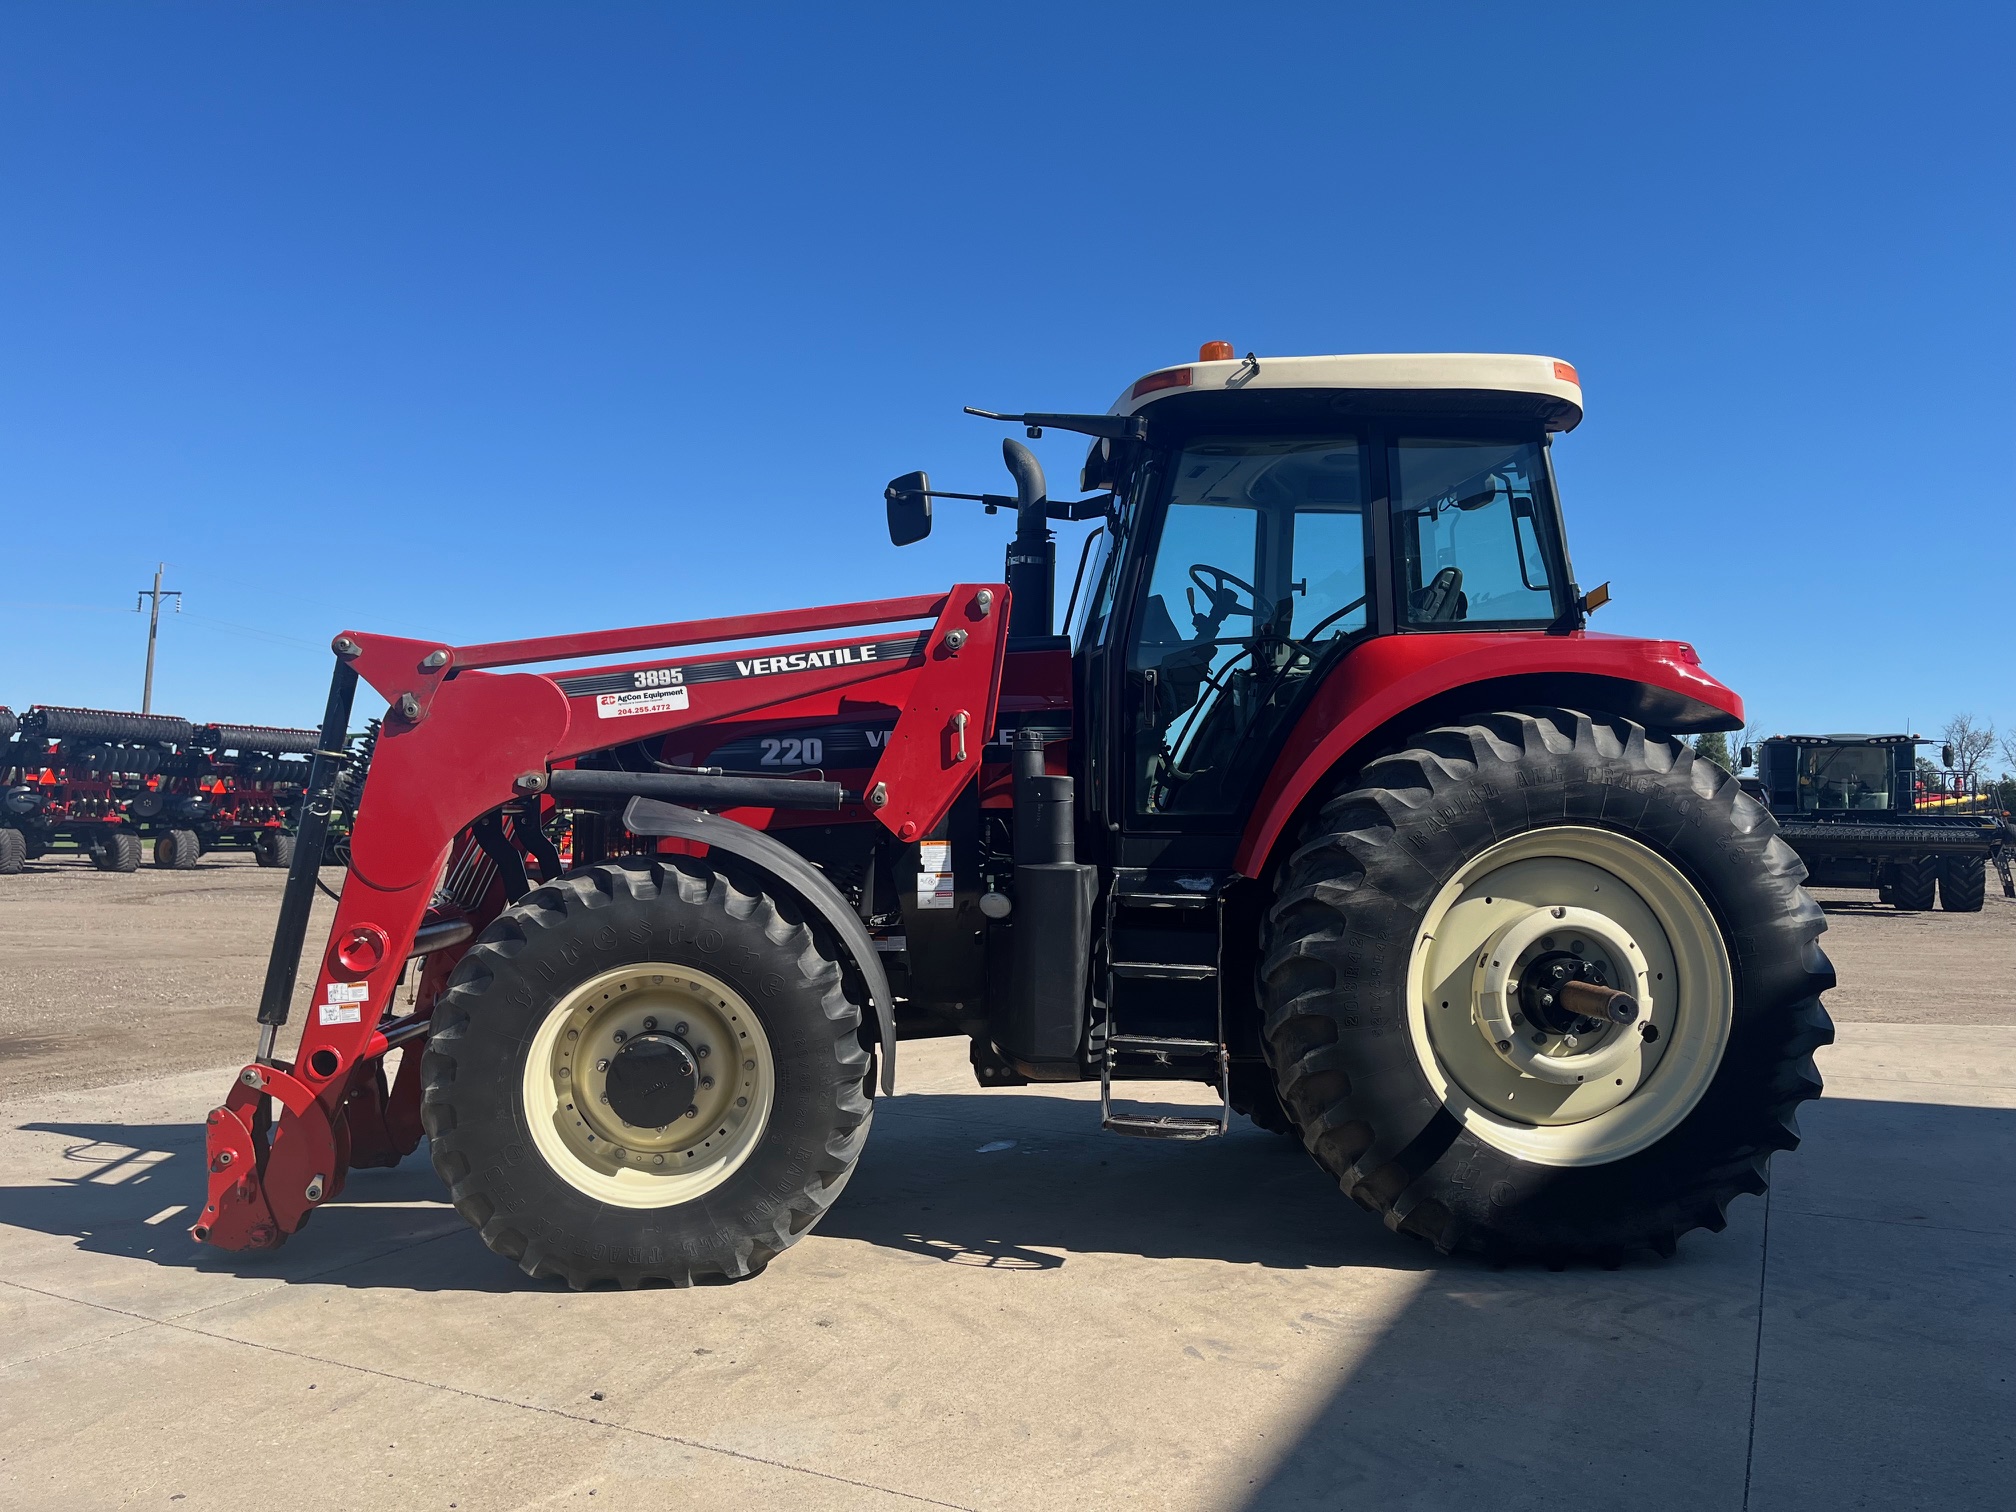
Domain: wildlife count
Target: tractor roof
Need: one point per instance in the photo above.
(1410, 376)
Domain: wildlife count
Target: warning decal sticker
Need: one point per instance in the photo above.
(934, 875)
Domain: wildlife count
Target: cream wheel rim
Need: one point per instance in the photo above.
(1582, 1092)
(573, 1066)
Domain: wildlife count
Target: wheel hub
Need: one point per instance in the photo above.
(1571, 995)
(651, 1080)
(649, 1084)
(1561, 993)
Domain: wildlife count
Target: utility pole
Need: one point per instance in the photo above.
(156, 593)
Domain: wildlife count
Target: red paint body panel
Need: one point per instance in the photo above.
(1385, 677)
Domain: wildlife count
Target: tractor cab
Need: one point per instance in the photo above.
(1261, 518)
(1839, 775)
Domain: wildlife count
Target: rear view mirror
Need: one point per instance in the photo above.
(1748, 758)
(909, 501)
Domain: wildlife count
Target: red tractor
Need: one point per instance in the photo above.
(1327, 801)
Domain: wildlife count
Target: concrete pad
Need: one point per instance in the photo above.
(1885, 1366)
(116, 1174)
(1960, 1065)
(220, 1425)
(1008, 1309)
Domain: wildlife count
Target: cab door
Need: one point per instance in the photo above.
(1250, 573)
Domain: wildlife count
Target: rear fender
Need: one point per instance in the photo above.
(1390, 687)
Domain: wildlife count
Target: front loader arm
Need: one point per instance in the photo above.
(460, 740)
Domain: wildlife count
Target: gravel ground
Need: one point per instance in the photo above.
(107, 977)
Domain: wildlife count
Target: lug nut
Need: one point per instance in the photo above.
(702, 1051)
(603, 1064)
(562, 1073)
(748, 1065)
(621, 1036)
(707, 1082)
(679, 1029)
(650, 1024)
(692, 1112)
(604, 1098)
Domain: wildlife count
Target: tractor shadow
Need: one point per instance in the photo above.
(132, 1190)
(1027, 1180)
(1019, 1181)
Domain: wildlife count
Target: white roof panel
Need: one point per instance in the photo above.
(1406, 370)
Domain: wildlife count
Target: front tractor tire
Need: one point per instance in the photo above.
(648, 1071)
(1411, 972)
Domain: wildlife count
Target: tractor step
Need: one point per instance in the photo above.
(1165, 1050)
(1164, 971)
(1167, 1126)
(1165, 900)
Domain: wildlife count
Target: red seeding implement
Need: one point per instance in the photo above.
(104, 783)
(70, 777)
(1327, 801)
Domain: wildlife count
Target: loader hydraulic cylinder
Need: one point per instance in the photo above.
(316, 806)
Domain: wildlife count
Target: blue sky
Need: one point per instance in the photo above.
(483, 320)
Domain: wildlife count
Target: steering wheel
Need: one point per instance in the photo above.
(1218, 585)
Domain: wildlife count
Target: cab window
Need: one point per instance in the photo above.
(1259, 569)
(1469, 533)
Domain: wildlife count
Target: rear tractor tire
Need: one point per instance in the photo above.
(1963, 883)
(1912, 883)
(117, 851)
(13, 852)
(1412, 973)
(177, 850)
(651, 1070)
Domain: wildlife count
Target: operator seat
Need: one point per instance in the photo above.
(1442, 600)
